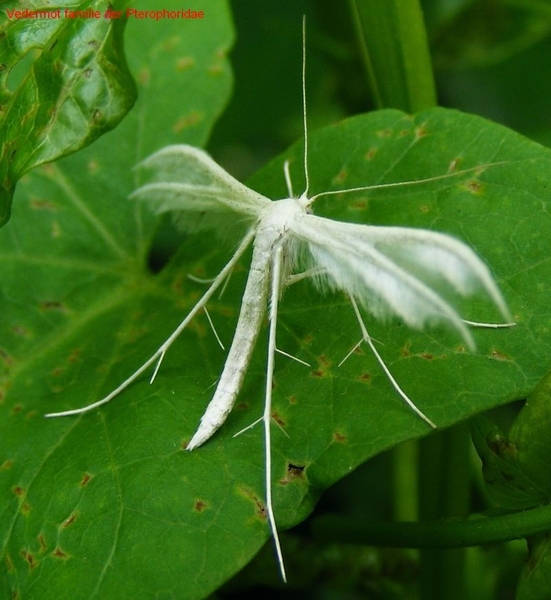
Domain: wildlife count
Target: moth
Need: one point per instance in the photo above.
(384, 270)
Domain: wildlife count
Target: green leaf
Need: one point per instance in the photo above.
(478, 34)
(534, 582)
(517, 467)
(517, 471)
(75, 90)
(109, 501)
(395, 51)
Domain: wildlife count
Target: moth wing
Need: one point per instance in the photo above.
(398, 271)
(186, 181)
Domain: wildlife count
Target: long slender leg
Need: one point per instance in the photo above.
(367, 339)
(274, 299)
(159, 354)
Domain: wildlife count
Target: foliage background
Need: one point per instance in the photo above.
(101, 504)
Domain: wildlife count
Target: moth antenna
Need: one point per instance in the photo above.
(367, 339)
(304, 118)
(411, 182)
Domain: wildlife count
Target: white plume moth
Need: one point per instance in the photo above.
(385, 270)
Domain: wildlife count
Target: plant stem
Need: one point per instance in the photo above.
(394, 48)
(476, 530)
(444, 493)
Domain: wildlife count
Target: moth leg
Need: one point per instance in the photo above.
(159, 354)
(488, 325)
(367, 339)
(275, 293)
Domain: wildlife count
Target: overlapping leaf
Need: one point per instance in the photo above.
(76, 88)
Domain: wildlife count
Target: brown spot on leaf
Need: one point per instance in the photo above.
(404, 133)
(58, 371)
(427, 356)
(19, 491)
(295, 470)
(17, 408)
(292, 399)
(29, 558)
(184, 63)
(190, 120)
(324, 360)
(499, 355)
(260, 507)
(384, 133)
(169, 44)
(74, 356)
(370, 154)
(25, 508)
(42, 204)
(85, 479)
(58, 553)
(317, 373)
(215, 70)
(7, 464)
(41, 542)
(341, 176)
(200, 505)
(475, 187)
(340, 438)
(51, 305)
(277, 418)
(144, 76)
(5, 357)
(365, 377)
(420, 132)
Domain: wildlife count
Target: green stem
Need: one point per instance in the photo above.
(476, 530)
(393, 45)
(444, 493)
